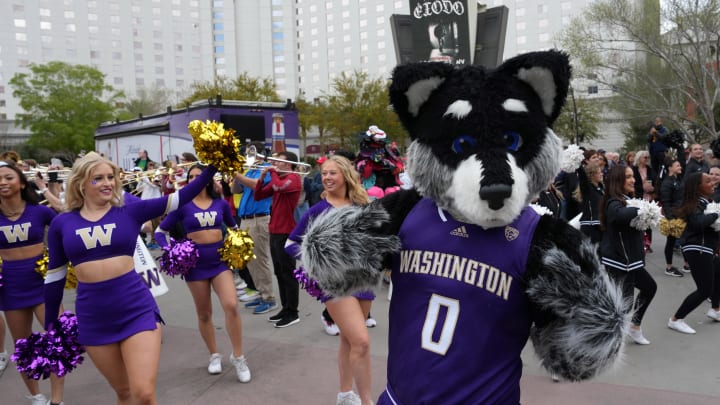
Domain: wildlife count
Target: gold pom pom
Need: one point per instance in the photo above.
(672, 227)
(237, 250)
(216, 145)
(41, 266)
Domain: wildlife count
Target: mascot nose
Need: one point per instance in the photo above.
(495, 195)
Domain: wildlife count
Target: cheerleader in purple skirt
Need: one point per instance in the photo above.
(118, 319)
(202, 221)
(342, 187)
(22, 233)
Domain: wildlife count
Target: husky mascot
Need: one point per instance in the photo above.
(475, 270)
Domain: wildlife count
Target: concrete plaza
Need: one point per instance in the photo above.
(297, 365)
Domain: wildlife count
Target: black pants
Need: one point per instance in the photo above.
(705, 270)
(284, 265)
(669, 246)
(643, 281)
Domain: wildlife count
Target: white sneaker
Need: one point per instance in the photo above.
(711, 313)
(637, 337)
(330, 328)
(370, 322)
(248, 295)
(38, 399)
(680, 326)
(215, 366)
(241, 368)
(49, 402)
(554, 377)
(348, 398)
(3, 362)
(240, 284)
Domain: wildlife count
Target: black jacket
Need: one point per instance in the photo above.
(671, 195)
(591, 196)
(698, 234)
(622, 247)
(695, 166)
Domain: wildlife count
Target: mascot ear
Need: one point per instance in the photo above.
(548, 73)
(412, 84)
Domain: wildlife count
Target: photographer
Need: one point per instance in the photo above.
(656, 144)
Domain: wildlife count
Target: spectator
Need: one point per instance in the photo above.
(645, 186)
(142, 160)
(656, 144)
(696, 163)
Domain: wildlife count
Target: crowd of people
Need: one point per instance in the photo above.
(105, 209)
(683, 181)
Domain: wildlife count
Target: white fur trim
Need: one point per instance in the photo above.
(541, 79)
(540, 209)
(464, 192)
(514, 105)
(459, 109)
(419, 92)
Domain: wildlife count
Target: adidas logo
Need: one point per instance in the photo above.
(461, 231)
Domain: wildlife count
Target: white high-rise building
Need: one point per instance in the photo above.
(135, 43)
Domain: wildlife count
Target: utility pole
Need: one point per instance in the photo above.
(575, 116)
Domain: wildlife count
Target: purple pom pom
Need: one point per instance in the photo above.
(310, 285)
(55, 351)
(179, 257)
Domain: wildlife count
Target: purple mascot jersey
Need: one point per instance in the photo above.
(462, 312)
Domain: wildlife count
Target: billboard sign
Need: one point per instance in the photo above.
(441, 30)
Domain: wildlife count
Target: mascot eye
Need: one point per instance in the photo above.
(463, 143)
(513, 140)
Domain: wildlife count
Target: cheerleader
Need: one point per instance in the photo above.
(202, 222)
(118, 319)
(22, 232)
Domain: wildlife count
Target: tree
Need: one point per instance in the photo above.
(63, 104)
(659, 61)
(578, 121)
(356, 102)
(244, 87)
(147, 102)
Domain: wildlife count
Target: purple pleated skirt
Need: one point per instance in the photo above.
(22, 286)
(113, 310)
(361, 295)
(209, 264)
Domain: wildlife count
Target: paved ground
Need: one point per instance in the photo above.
(297, 365)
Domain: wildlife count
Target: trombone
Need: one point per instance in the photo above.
(252, 154)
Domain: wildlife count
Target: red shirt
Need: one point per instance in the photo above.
(285, 193)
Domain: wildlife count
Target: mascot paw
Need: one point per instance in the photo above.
(343, 249)
(587, 334)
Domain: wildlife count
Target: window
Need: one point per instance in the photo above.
(94, 54)
(158, 46)
(69, 14)
(544, 37)
(20, 36)
(115, 19)
(218, 27)
(542, 8)
(220, 49)
(138, 57)
(46, 39)
(179, 71)
(219, 61)
(93, 29)
(520, 26)
(592, 89)
(45, 12)
(21, 50)
(381, 45)
(219, 37)
(218, 15)
(92, 17)
(117, 56)
(137, 45)
(176, 13)
(543, 23)
(521, 39)
(18, 8)
(118, 81)
(70, 27)
(277, 35)
(380, 8)
(20, 23)
(520, 12)
(139, 81)
(159, 70)
(178, 48)
(159, 58)
(566, 5)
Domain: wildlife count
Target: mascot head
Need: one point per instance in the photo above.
(482, 144)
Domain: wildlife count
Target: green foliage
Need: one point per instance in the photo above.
(147, 102)
(355, 103)
(63, 105)
(658, 60)
(244, 87)
(588, 117)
